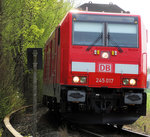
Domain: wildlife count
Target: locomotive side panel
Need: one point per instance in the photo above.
(65, 30)
(49, 66)
(144, 54)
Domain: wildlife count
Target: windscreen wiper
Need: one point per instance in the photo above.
(115, 43)
(98, 38)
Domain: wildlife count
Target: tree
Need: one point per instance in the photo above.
(10, 98)
(25, 23)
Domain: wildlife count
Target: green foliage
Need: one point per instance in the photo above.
(29, 23)
(25, 24)
(10, 98)
(50, 16)
(32, 36)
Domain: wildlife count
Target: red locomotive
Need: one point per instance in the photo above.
(95, 68)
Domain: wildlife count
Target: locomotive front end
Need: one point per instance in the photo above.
(95, 68)
(107, 67)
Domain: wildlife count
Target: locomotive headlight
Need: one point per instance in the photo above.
(105, 55)
(125, 81)
(76, 79)
(83, 79)
(132, 82)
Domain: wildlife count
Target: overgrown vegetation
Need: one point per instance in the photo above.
(10, 97)
(23, 24)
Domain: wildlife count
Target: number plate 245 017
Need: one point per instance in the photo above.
(105, 80)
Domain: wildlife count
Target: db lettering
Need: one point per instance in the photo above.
(104, 67)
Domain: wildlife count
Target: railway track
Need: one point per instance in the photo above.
(107, 131)
(45, 124)
(9, 129)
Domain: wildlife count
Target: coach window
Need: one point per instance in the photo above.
(88, 33)
(124, 35)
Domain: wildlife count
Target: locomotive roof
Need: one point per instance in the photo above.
(112, 8)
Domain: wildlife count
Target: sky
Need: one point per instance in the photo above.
(139, 7)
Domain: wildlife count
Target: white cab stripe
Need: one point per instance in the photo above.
(83, 66)
(127, 68)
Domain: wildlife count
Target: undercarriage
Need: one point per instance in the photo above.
(100, 105)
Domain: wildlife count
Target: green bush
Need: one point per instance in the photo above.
(10, 97)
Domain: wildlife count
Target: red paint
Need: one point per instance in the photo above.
(58, 58)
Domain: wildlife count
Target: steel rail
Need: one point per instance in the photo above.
(8, 125)
(125, 132)
(90, 132)
(133, 132)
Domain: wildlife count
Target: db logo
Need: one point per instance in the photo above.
(105, 68)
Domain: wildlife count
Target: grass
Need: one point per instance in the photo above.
(148, 90)
(148, 100)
